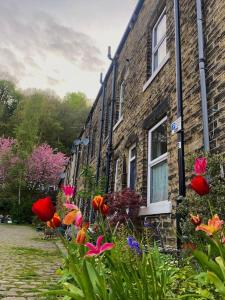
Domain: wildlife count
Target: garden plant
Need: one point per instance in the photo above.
(107, 260)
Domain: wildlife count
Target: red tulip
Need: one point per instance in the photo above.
(104, 209)
(44, 209)
(200, 185)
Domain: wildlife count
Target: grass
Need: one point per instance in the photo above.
(28, 274)
(25, 251)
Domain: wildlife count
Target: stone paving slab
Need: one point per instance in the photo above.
(28, 264)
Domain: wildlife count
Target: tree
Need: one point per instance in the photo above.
(73, 114)
(44, 167)
(6, 158)
(9, 100)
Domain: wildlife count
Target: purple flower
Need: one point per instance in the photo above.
(134, 245)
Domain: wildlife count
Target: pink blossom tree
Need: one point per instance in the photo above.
(44, 167)
(6, 157)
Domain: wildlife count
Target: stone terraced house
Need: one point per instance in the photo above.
(131, 137)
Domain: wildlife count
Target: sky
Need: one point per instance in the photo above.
(60, 44)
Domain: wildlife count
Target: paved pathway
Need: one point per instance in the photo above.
(27, 263)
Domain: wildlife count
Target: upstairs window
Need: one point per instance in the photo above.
(106, 120)
(159, 42)
(93, 144)
(116, 179)
(132, 167)
(121, 100)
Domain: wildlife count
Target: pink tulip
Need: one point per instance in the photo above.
(200, 166)
(70, 206)
(98, 249)
(79, 220)
(68, 190)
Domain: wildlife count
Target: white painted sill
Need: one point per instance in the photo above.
(162, 207)
(118, 123)
(156, 72)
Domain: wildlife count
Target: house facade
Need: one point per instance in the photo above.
(128, 136)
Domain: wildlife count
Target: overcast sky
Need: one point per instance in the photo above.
(60, 44)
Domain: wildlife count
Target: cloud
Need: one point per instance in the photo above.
(10, 64)
(74, 46)
(53, 81)
(28, 41)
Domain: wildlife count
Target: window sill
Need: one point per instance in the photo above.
(156, 72)
(118, 123)
(162, 207)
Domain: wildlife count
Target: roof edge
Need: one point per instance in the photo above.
(131, 22)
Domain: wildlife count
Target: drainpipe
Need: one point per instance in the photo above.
(89, 137)
(101, 129)
(109, 148)
(77, 164)
(180, 133)
(202, 76)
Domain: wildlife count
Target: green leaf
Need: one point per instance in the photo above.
(218, 283)
(220, 262)
(207, 263)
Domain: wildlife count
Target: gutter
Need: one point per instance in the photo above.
(202, 76)
(131, 23)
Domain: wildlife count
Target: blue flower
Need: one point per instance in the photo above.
(134, 245)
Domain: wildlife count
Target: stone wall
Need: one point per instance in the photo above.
(148, 98)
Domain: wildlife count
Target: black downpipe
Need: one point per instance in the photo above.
(109, 148)
(77, 164)
(180, 134)
(89, 138)
(101, 131)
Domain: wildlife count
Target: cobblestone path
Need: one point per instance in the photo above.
(27, 263)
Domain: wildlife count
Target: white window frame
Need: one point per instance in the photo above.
(156, 47)
(121, 100)
(161, 206)
(122, 85)
(130, 159)
(116, 179)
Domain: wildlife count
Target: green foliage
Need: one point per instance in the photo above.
(9, 100)
(122, 274)
(33, 118)
(208, 205)
(87, 179)
(213, 264)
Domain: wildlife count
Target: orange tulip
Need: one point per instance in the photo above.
(54, 222)
(70, 218)
(97, 202)
(214, 225)
(196, 220)
(81, 235)
(189, 246)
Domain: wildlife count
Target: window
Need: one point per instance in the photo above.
(106, 120)
(116, 179)
(158, 168)
(121, 103)
(159, 42)
(93, 144)
(132, 167)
